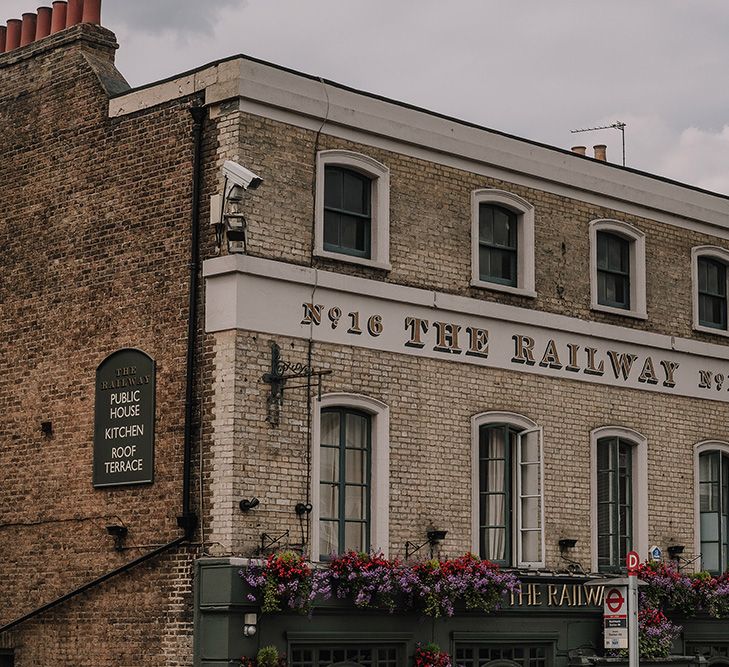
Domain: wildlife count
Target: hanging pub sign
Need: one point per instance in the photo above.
(124, 419)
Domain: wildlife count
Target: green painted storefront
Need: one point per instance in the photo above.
(555, 622)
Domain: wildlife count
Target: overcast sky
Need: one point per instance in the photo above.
(534, 68)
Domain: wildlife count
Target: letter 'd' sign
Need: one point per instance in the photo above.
(124, 419)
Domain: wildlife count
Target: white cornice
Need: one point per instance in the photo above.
(225, 268)
(304, 101)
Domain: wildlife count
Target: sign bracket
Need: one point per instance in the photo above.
(281, 372)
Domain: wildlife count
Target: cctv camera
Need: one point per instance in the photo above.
(241, 176)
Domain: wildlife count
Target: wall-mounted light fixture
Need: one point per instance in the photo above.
(434, 537)
(250, 622)
(246, 504)
(118, 533)
(565, 544)
(303, 508)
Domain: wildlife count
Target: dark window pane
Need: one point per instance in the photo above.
(613, 270)
(498, 244)
(712, 293)
(347, 217)
(614, 501)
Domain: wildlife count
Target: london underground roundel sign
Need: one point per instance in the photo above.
(614, 600)
(632, 560)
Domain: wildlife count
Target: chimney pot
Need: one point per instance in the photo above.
(600, 152)
(27, 30)
(74, 12)
(92, 12)
(43, 26)
(3, 32)
(580, 150)
(13, 34)
(58, 19)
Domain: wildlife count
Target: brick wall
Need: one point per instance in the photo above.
(95, 222)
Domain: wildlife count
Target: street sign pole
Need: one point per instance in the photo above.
(632, 561)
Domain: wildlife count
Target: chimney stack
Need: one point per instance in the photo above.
(27, 29)
(600, 152)
(91, 12)
(58, 19)
(43, 25)
(580, 150)
(48, 21)
(74, 12)
(12, 40)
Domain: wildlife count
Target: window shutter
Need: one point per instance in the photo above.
(529, 508)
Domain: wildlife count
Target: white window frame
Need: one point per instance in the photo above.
(380, 466)
(527, 426)
(639, 462)
(379, 175)
(524, 240)
(719, 254)
(636, 238)
(701, 448)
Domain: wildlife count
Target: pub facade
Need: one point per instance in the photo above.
(363, 326)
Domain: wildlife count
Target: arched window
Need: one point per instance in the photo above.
(710, 293)
(352, 221)
(502, 242)
(350, 475)
(619, 498)
(508, 507)
(617, 268)
(712, 506)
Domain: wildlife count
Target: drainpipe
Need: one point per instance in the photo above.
(188, 520)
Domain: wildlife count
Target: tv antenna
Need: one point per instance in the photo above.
(617, 125)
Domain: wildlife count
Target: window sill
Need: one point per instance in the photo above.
(352, 259)
(634, 314)
(519, 291)
(711, 330)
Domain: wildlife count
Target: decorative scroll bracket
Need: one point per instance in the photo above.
(280, 372)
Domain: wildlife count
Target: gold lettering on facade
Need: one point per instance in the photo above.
(705, 379)
(478, 342)
(591, 368)
(669, 368)
(648, 374)
(446, 335)
(565, 596)
(374, 325)
(572, 364)
(551, 358)
(552, 595)
(354, 328)
(621, 363)
(416, 326)
(312, 313)
(523, 350)
(593, 595)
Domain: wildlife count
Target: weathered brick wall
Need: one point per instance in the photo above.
(431, 403)
(430, 230)
(95, 223)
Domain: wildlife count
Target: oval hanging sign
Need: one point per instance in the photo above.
(124, 419)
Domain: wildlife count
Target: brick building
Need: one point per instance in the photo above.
(519, 345)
